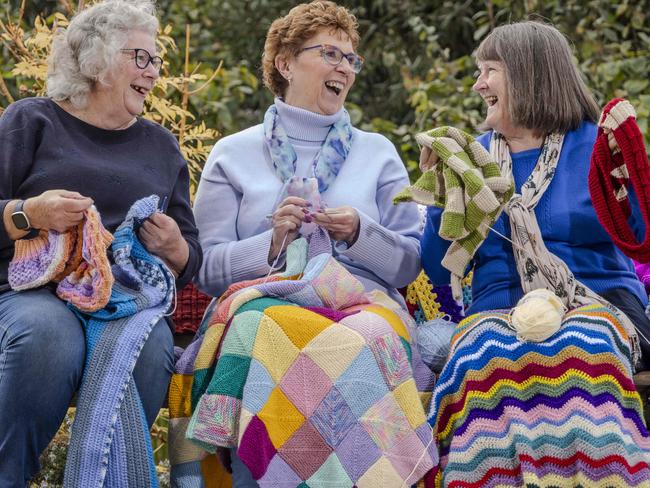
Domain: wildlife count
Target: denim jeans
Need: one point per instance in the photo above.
(42, 349)
(241, 475)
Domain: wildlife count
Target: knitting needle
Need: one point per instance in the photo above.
(162, 205)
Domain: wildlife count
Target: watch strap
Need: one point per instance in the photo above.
(18, 209)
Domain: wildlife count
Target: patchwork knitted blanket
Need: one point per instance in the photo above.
(559, 413)
(110, 443)
(311, 380)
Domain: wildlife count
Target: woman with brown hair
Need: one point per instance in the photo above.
(561, 409)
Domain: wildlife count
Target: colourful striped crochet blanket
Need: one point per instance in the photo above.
(313, 382)
(559, 413)
(110, 444)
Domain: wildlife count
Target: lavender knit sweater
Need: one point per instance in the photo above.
(239, 188)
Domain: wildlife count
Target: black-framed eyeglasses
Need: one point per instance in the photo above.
(143, 58)
(333, 56)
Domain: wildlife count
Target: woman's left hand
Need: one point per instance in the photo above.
(342, 223)
(161, 236)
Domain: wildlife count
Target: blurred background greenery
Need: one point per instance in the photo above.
(418, 74)
(419, 70)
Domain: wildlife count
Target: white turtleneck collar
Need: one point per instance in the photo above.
(303, 125)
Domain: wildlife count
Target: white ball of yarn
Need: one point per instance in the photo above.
(538, 315)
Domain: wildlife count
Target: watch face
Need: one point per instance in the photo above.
(20, 220)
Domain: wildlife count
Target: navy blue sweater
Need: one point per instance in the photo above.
(43, 147)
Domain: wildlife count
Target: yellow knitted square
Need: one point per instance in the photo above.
(280, 418)
(407, 397)
(273, 348)
(209, 346)
(393, 320)
(339, 342)
(300, 325)
(214, 474)
(381, 473)
(179, 396)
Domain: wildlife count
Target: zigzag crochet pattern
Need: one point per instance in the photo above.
(560, 413)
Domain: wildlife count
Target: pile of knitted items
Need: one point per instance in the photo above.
(75, 259)
(110, 443)
(426, 301)
(564, 412)
(310, 381)
(470, 188)
(611, 174)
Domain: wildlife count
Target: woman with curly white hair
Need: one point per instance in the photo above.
(84, 145)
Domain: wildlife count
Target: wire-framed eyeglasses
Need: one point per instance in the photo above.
(142, 58)
(333, 56)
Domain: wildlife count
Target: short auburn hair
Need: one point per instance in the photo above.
(545, 89)
(288, 34)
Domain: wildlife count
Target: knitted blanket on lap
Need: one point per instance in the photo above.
(559, 413)
(110, 444)
(313, 382)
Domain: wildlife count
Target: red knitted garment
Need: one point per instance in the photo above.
(610, 175)
(190, 305)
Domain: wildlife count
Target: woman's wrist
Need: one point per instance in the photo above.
(177, 261)
(13, 232)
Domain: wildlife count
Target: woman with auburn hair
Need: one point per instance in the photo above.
(553, 405)
(307, 171)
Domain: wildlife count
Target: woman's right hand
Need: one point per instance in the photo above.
(57, 210)
(287, 220)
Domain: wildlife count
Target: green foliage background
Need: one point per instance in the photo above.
(419, 69)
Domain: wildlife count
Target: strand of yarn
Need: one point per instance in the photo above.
(424, 453)
(277, 258)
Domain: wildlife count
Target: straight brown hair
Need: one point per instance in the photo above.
(545, 88)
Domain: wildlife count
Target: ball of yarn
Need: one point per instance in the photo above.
(538, 315)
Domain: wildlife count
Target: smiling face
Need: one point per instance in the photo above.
(122, 97)
(492, 85)
(315, 85)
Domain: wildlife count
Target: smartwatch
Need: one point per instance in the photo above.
(19, 218)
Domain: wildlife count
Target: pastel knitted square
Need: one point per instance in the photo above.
(76, 258)
(38, 261)
(88, 287)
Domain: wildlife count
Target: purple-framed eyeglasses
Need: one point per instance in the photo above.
(333, 56)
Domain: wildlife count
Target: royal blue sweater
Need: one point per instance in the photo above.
(568, 224)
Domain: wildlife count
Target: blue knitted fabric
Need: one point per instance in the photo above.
(110, 444)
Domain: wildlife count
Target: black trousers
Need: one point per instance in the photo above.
(633, 308)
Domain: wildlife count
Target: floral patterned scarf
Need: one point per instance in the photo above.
(328, 161)
(536, 265)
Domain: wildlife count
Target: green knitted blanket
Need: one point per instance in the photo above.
(470, 188)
